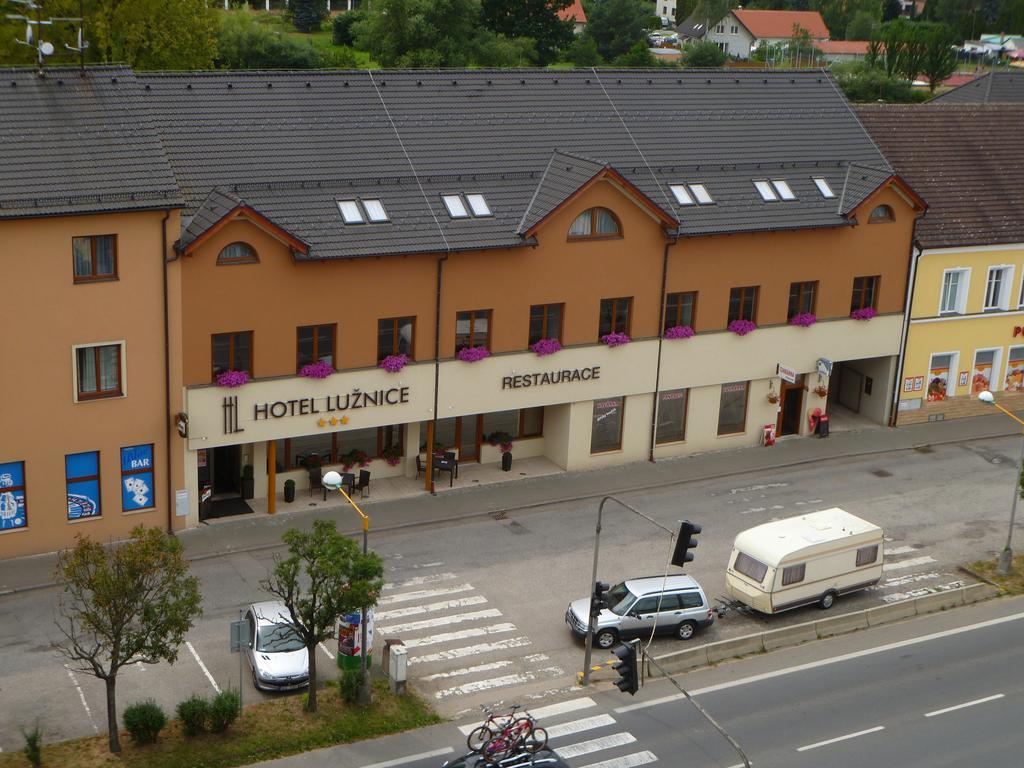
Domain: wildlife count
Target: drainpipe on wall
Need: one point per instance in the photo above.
(432, 428)
(661, 340)
(915, 254)
(167, 370)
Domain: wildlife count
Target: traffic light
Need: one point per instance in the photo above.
(685, 542)
(599, 600)
(628, 667)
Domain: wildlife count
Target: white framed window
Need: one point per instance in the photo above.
(350, 212)
(766, 191)
(478, 205)
(953, 299)
(783, 188)
(683, 198)
(734, 30)
(375, 211)
(700, 192)
(997, 288)
(456, 208)
(823, 187)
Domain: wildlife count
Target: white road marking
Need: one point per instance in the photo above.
(470, 650)
(414, 610)
(841, 738)
(551, 710)
(412, 758)
(423, 594)
(596, 745)
(910, 578)
(749, 488)
(898, 551)
(823, 662)
(535, 657)
(498, 682)
(203, 667)
(417, 581)
(81, 697)
(462, 634)
(914, 561)
(324, 649)
(962, 706)
(578, 726)
(752, 509)
(489, 667)
(626, 761)
(440, 621)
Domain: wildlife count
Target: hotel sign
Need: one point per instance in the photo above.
(305, 406)
(566, 375)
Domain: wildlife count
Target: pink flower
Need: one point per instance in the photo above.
(232, 378)
(393, 461)
(863, 314)
(317, 370)
(615, 339)
(472, 354)
(545, 347)
(803, 319)
(742, 327)
(393, 363)
(679, 332)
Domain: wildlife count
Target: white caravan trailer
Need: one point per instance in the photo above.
(803, 560)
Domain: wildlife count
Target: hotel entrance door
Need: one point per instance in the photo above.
(792, 398)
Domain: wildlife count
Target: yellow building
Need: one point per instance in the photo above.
(965, 327)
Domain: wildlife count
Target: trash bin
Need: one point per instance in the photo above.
(506, 461)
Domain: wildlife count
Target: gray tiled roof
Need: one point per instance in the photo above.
(965, 160)
(79, 144)
(293, 143)
(564, 174)
(215, 207)
(860, 182)
(993, 88)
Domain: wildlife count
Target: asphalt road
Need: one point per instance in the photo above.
(480, 604)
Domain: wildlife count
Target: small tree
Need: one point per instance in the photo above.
(704, 54)
(616, 26)
(637, 56)
(938, 60)
(307, 14)
(324, 576)
(123, 604)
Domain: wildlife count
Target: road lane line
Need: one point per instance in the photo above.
(841, 738)
(412, 758)
(962, 706)
(823, 662)
(81, 697)
(911, 563)
(578, 726)
(596, 745)
(462, 634)
(470, 650)
(421, 594)
(444, 605)
(203, 667)
(627, 761)
(440, 621)
(417, 581)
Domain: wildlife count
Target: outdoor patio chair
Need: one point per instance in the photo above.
(363, 484)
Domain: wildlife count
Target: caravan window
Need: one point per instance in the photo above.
(748, 566)
(867, 555)
(793, 574)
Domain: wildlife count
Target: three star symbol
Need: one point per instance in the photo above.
(333, 421)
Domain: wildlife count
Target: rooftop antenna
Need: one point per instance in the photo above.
(33, 32)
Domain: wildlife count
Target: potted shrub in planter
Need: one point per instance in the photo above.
(317, 370)
(679, 332)
(742, 327)
(289, 490)
(803, 319)
(545, 347)
(248, 482)
(473, 354)
(615, 339)
(232, 379)
(392, 455)
(863, 314)
(393, 363)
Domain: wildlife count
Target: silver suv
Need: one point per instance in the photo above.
(675, 605)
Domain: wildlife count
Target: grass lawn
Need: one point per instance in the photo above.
(1013, 583)
(267, 730)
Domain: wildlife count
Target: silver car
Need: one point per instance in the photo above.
(277, 655)
(675, 605)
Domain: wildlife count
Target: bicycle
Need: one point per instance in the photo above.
(521, 735)
(493, 725)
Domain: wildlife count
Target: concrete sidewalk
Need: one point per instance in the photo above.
(264, 532)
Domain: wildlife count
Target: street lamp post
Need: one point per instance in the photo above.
(332, 481)
(1006, 556)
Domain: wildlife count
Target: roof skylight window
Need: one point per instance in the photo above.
(681, 194)
(456, 208)
(375, 210)
(478, 205)
(783, 188)
(824, 188)
(350, 212)
(701, 193)
(767, 193)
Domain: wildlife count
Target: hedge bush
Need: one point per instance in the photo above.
(349, 684)
(144, 721)
(194, 713)
(224, 710)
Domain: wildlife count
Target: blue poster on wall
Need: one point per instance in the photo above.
(82, 471)
(137, 477)
(12, 496)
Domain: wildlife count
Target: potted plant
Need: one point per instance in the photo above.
(679, 332)
(773, 396)
(742, 327)
(863, 314)
(248, 482)
(473, 354)
(821, 390)
(502, 439)
(803, 319)
(232, 379)
(392, 455)
(317, 370)
(545, 347)
(289, 490)
(615, 339)
(393, 363)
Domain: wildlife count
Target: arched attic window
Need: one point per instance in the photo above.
(595, 224)
(881, 214)
(237, 253)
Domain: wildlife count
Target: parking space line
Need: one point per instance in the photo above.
(840, 738)
(203, 667)
(964, 705)
(81, 697)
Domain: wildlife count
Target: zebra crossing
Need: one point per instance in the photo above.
(908, 572)
(583, 739)
(458, 643)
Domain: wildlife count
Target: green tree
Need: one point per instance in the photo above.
(307, 15)
(243, 43)
(127, 603)
(862, 26)
(704, 54)
(488, 49)
(583, 52)
(710, 12)
(683, 10)
(341, 27)
(534, 19)
(419, 33)
(938, 59)
(890, 10)
(323, 576)
(637, 56)
(860, 82)
(616, 26)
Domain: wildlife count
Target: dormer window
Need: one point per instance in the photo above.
(682, 195)
(375, 211)
(783, 188)
(361, 211)
(689, 194)
(766, 191)
(595, 223)
(881, 214)
(456, 208)
(478, 205)
(823, 187)
(237, 253)
(350, 212)
(700, 192)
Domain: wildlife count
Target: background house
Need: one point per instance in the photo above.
(741, 31)
(576, 14)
